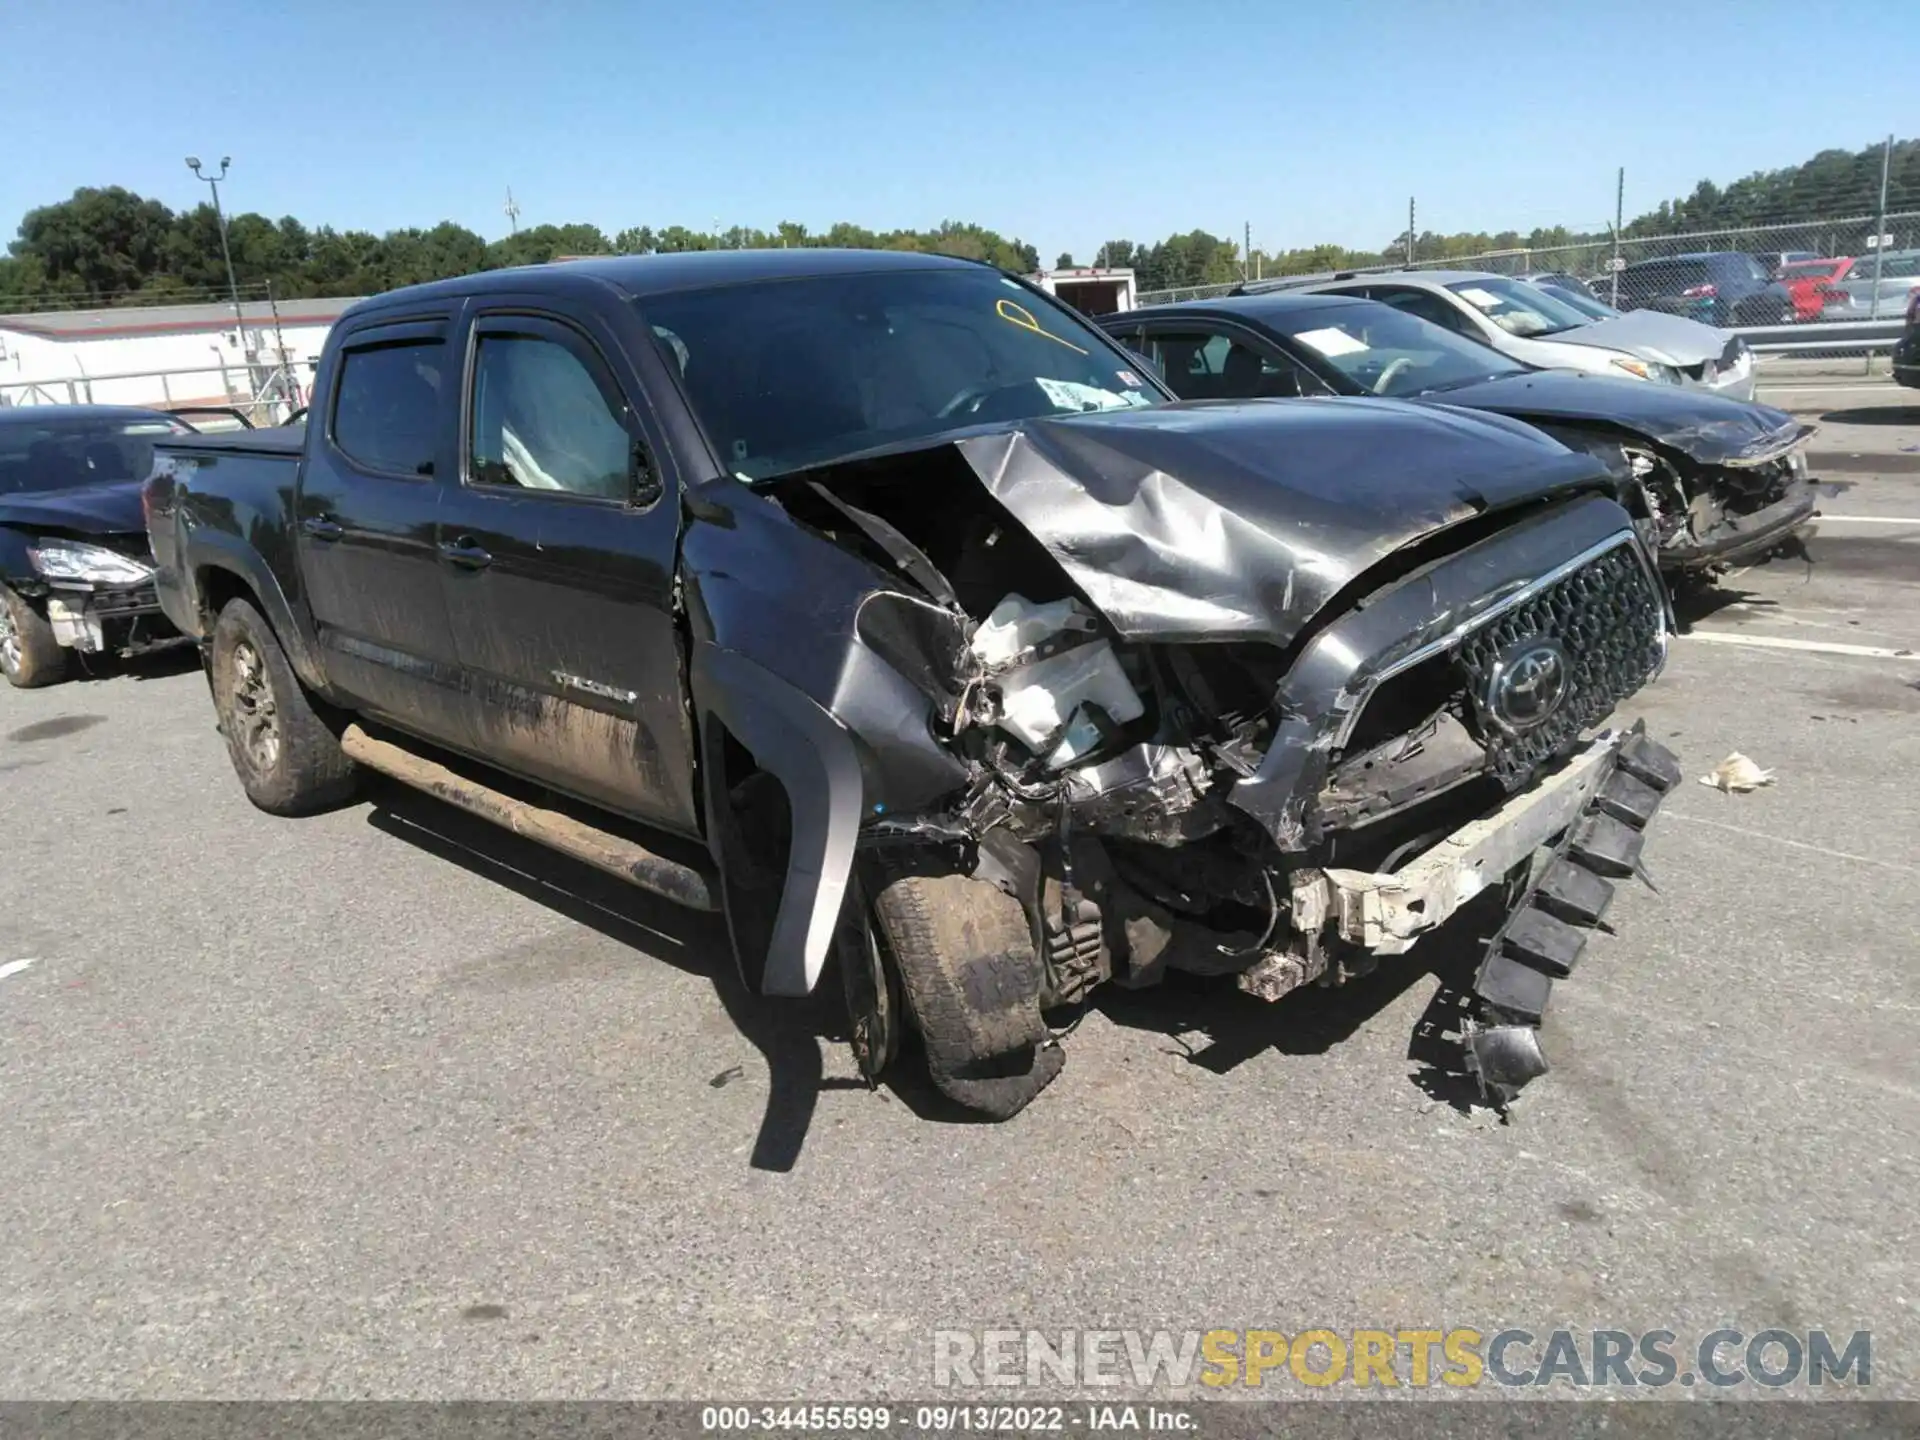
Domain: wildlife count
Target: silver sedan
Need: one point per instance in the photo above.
(1538, 326)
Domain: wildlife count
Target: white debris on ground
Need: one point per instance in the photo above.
(1736, 775)
(14, 967)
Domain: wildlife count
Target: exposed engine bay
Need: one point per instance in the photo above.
(1231, 806)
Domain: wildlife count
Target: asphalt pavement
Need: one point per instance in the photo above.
(387, 1103)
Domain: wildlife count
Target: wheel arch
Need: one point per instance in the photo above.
(742, 708)
(224, 570)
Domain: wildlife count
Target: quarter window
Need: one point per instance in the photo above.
(388, 404)
(1428, 307)
(1211, 366)
(544, 421)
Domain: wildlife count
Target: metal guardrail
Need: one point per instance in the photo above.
(267, 389)
(1841, 338)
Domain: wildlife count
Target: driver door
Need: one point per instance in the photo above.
(558, 546)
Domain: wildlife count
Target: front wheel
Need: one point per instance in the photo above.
(29, 655)
(288, 761)
(965, 957)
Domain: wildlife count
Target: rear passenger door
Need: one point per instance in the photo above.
(559, 539)
(366, 519)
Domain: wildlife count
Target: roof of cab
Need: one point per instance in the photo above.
(635, 276)
(1256, 304)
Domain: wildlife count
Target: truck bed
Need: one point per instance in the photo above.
(281, 440)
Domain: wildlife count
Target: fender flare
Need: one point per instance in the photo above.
(814, 757)
(211, 550)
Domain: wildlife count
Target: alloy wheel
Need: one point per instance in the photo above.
(255, 714)
(9, 639)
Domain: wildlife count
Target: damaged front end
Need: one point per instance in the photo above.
(1090, 686)
(1704, 504)
(97, 593)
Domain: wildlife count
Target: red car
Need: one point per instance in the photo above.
(1812, 284)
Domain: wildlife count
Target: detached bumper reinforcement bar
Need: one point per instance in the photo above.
(1546, 930)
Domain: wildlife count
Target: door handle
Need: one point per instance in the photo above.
(465, 553)
(321, 528)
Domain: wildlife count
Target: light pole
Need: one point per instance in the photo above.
(220, 219)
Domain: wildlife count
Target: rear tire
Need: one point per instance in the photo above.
(288, 760)
(965, 957)
(29, 655)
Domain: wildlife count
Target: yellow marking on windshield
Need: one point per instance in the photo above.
(1015, 314)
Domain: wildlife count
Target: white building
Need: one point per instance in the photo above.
(167, 355)
(1090, 290)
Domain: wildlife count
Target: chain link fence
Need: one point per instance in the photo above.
(1848, 269)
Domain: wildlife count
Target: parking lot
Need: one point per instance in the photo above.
(388, 1103)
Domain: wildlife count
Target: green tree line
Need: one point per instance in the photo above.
(1833, 185)
(109, 246)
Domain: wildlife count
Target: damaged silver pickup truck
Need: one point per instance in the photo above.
(880, 603)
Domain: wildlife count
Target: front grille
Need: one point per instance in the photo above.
(1610, 623)
(136, 600)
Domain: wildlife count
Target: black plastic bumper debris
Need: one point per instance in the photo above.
(1504, 1057)
(1545, 932)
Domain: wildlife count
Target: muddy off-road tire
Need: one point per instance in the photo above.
(288, 760)
(29, 655)
(972, 982)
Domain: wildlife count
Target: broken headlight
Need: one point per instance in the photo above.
(93, 564)
(1646, 369)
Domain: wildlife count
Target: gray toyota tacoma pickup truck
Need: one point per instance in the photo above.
(886, 606)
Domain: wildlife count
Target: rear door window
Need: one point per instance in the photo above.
(1426, 305)
(386, 409)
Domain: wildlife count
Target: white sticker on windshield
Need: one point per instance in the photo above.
(1072, 395)
(1474, 295)
(1331, 341)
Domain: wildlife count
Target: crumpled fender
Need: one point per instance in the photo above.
(812, 755)
(829, 672)
(1708, 429)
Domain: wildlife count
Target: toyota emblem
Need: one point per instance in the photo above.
(1528, 683)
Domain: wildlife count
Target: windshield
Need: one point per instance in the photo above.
(785, 374)
(1385, 351)
(59, 452)
(1517, 307)
(1586, 305)
(1813, 270)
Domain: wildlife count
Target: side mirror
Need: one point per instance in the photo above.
(644, 486)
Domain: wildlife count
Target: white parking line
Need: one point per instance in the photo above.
(14, 967)
(1793, 844)
(1782, 642)
(1869, 520)
(1781, 387)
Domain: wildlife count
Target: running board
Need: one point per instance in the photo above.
(614, 854)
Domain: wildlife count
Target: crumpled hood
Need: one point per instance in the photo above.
(1242, 519)
(1706, 427)
(1670, 339)
(111, 509)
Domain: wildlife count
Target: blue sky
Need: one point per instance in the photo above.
(1062, 123)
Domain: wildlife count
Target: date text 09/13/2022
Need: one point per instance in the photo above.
(945, 1419)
